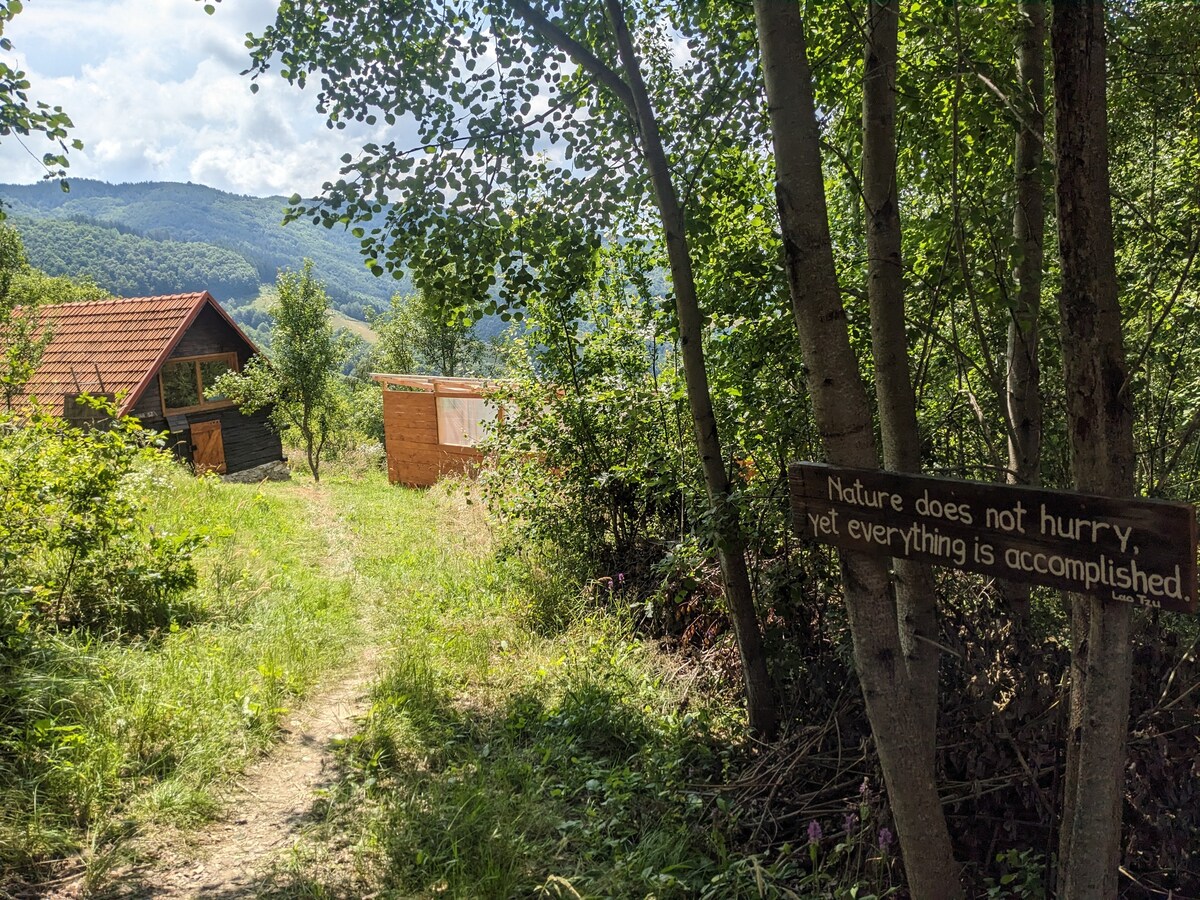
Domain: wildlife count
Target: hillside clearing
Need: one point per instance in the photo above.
(450, 745)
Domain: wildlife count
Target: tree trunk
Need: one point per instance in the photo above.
(916, 602)
(1100, 429)
(843, 418)
(1023, 400)
(760, 700)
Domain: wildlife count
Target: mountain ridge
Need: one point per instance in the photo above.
(185, 213)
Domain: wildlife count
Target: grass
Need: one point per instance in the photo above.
(136, 732)
(517, 744)
(499, 760)
(267, 295)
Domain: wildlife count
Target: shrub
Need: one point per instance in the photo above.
(75, 549)
(590, 450)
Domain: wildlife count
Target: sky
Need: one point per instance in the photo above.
(154, 90)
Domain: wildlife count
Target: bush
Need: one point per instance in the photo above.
(78, 560)
(590, 449)
(75, 549)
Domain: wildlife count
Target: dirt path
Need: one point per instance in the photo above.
(268, 808)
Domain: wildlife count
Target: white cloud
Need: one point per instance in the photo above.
(154, 89)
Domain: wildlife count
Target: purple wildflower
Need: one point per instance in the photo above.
(885, 838)
(620, 578)
(850, 822)
(863, 788)
(814, 832)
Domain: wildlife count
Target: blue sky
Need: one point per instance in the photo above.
(153, 87)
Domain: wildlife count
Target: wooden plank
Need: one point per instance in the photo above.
(411, 432)
(404, 415)
(1126, 549)
(423, 470)
(436, 458)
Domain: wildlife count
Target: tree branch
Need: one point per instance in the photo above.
(582, 55)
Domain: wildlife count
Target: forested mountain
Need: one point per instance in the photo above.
(157, 237)
(130, 265)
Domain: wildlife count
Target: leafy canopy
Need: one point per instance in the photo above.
(523, 158)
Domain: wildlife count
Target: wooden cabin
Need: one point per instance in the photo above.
(157, 356)
(431, 426)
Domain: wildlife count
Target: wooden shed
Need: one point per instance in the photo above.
(432, 425)
(159, 356)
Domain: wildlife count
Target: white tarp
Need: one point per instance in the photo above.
(462, 420)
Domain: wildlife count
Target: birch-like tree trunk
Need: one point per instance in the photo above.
(1023, 398)
(762, 710)
(760, 700)
(916, 601)
(894, 700)
(1100, 430)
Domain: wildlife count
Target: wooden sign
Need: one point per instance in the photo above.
(1136, 551)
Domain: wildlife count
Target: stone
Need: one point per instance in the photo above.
(276, 470)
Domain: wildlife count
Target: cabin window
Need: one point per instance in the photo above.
(462, 421)
(186, 383)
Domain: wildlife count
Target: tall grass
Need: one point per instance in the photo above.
(503, 759)
(135, 731)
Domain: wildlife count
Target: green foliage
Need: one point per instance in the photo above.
(301, 383)
(1155, 159)
(474, 209)
(1022, 879)
(196, 230)
(133, 266)
(755, 373)
(591, 452)
(420, 335)
(23, 347)
(77, 550)
(79, 558)
(32, 287)
(22, 291)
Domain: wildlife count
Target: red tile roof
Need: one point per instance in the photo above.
(112, 345)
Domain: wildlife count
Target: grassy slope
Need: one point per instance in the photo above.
(500, 758)
(266, 296)
(354, 326)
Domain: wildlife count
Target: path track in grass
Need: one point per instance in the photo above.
(267, 809)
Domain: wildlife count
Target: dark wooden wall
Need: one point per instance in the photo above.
(210, 333)
(249, 440)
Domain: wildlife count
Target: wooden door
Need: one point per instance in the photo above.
(208, 450)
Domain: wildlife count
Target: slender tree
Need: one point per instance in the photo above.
(419, 334)
(1023, 378)
(1100, 429)
(299, 382)
(896, 697)
(915, 597)
(731, 547)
